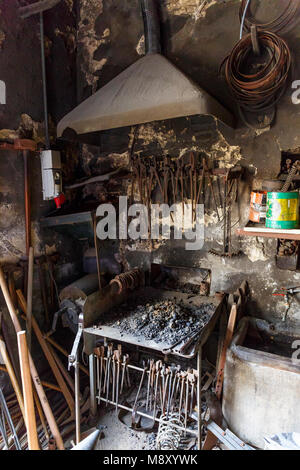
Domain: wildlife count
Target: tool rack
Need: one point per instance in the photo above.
(91, 334)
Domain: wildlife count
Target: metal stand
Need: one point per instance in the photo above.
(94, 397)
(73, 361)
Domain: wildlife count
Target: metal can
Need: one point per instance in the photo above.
(282, 210)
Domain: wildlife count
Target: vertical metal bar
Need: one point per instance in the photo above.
(93, 404)
(47, 139)
(27, 201)
(9, 420)
(77, 400)
(199, 368)
(29, 297)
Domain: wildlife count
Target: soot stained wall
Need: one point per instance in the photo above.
(197, 35)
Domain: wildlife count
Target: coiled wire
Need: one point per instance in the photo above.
(283, 23)
(168, 437)
(260, 91)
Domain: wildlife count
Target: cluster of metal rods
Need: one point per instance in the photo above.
(283, 23)
(169, 389)
(14, 435)
(260, 91)
(176, 180)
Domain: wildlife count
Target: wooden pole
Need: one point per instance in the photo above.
(12, 376)
(33, 443)
(29, 298)
(35, 377)
(55, 369)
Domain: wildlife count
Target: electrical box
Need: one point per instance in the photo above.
(51, 174)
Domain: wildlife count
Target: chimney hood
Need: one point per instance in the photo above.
(151, 89)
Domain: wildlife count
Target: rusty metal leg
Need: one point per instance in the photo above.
(199, 368)
(93, 404)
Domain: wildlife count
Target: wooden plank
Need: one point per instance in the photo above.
(30, 421)
(12, 376)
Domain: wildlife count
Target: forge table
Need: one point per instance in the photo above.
(95, 327)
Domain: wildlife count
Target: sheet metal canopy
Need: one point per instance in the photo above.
(151, 89)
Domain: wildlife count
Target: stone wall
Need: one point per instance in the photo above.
(197, 35)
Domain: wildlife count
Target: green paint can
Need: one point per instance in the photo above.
(282, 210)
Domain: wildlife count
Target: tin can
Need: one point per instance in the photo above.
(258, 206)
(282, 210)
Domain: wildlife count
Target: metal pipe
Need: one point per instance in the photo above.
(199, 369)
(151, 26)
(144, 415)
(92, 370)
(44, 79)
(29, 297)
(77, 400)
(9, 420)
(27, 201)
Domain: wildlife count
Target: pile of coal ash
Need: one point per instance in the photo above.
(163, 321)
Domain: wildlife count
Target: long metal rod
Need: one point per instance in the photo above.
(44, 78)
(92, 368)
(29, 297)
(145, 415)
(9, 420)
(199, 369)
(27, 201)
(77, 400)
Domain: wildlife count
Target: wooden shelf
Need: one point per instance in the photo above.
(292, 234)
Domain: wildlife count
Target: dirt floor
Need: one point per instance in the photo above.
(118, 436)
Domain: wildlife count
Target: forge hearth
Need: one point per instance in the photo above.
(161, 321)
(166, 321)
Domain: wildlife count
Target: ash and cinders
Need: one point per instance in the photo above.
(163, 321)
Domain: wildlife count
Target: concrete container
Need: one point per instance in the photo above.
(262, 381)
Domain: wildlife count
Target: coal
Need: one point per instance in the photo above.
(163, 321)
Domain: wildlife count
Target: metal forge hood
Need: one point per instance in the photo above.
(151, 89)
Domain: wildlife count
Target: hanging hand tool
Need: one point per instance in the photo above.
(135, 417)
(171, 385)
(114, 366)
(108, 368)
(165, 390)
(148, 387)
(211, 186)
(158, 366)
(125, 362)
(118, 360)
(186, 401)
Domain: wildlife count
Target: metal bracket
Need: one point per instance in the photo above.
(74, 352)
